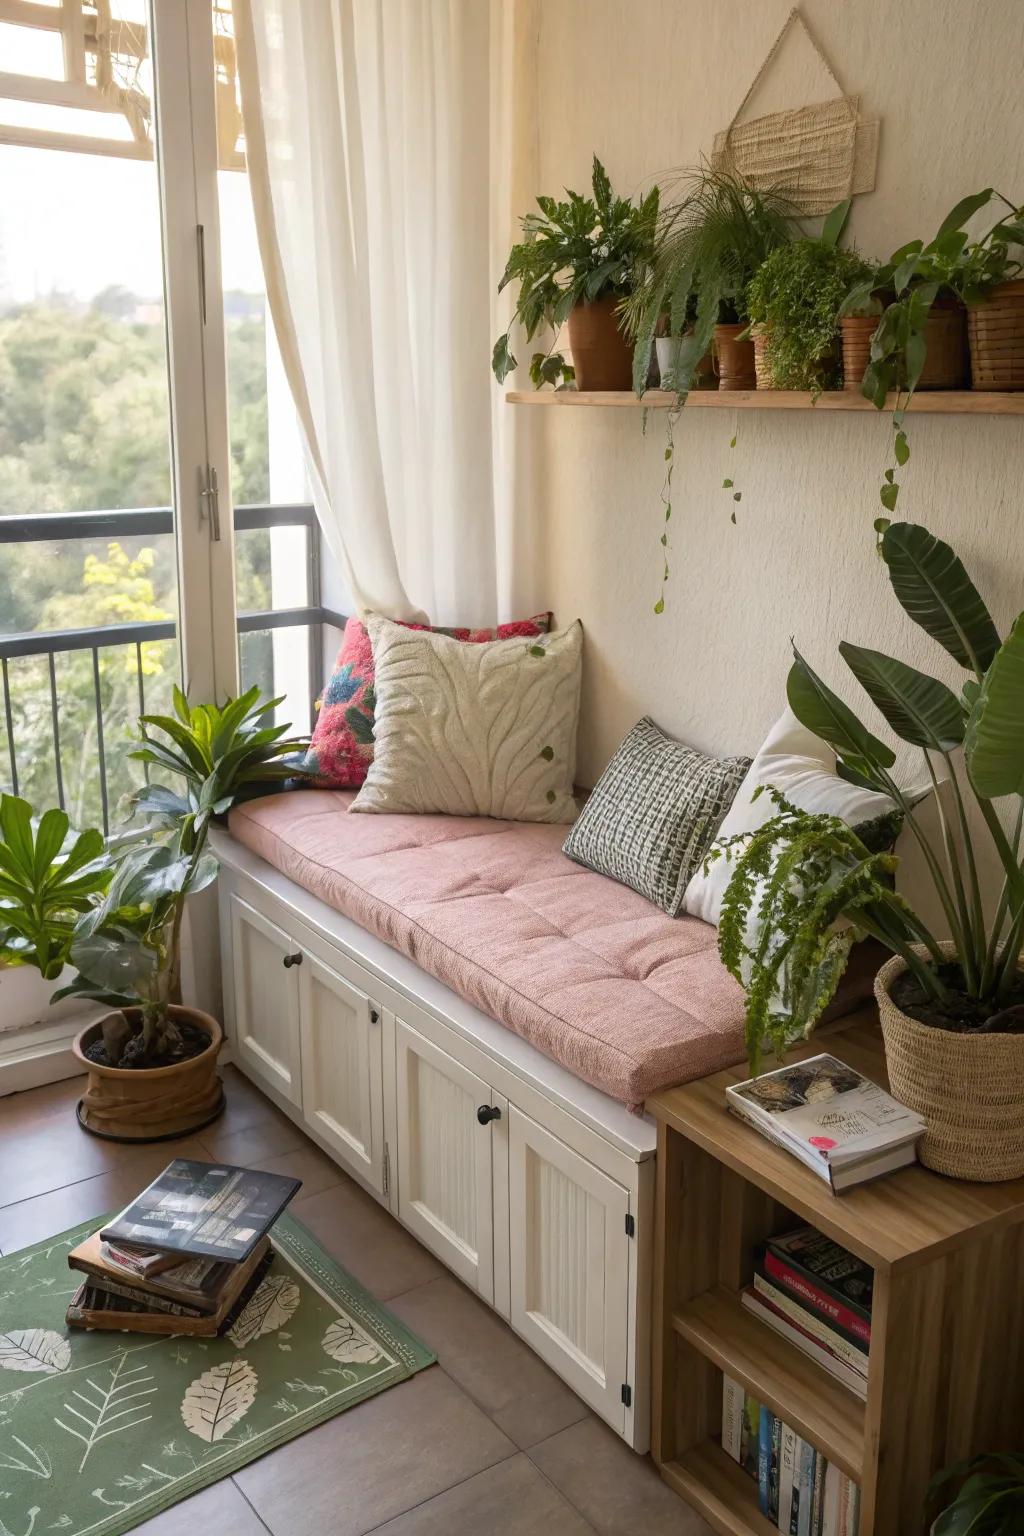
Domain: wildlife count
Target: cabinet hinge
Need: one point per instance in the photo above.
(387, 1169)
(630, 1225)
(627, 1395)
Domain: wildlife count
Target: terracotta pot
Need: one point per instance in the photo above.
(947, 361)
(601, 355)
(995, 330)
(152, 1103)
(857, 331)
(734, 358)
(968, 1088)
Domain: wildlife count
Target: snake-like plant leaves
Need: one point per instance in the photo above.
(919, 708)
(936, 592)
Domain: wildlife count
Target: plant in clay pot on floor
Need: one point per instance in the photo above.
(115, 912)
(806, 886)
(920, 341)
(577, 261)
(794, 299)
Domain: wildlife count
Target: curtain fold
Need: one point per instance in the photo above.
(383, 159)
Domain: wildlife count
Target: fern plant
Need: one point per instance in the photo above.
(804, 887)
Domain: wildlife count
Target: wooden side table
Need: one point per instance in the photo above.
(946, 1364)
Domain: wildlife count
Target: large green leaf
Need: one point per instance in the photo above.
(937, 593)
(920, 709)
(821, 711)
(118, 963)
(995, 731)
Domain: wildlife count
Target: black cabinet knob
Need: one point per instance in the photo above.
(488, 1112)
(374, 1016)
(290, 960)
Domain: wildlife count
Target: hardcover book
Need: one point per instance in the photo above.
(826, 1274)
(206, 1210)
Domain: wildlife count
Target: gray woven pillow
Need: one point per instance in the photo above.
(654, 814)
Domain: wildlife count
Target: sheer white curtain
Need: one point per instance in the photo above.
(381, 148)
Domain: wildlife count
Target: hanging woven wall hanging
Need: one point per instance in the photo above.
(815, 156)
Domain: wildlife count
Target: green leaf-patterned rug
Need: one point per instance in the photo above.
(99, 1431)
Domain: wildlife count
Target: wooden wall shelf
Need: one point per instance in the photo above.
(946, 1366)
(951, 402)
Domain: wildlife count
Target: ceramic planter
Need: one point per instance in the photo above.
(152, 1103)
(667, 349)
(968, 1087)
(601, 355)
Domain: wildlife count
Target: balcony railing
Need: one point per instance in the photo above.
(51, 644)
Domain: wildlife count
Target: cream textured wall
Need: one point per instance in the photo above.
(646, 84)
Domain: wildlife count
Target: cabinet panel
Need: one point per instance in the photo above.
(266, 1030)
(342, 1078)
(444, 1158)
(570, 1264)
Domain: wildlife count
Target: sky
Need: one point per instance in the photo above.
(80, 223)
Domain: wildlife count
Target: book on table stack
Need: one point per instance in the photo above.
(185, 1256)
(841, 1125)
(798, 1489)
(817, 1295)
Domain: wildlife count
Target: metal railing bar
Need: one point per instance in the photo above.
(10, 727)
(286, 618)
(102, 764)
(56, 729)
(44, 527)
(46, 642)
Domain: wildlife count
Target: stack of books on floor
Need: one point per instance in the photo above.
(817, 1295)
(841, 1125)
(185, 1256)
(799, 1491)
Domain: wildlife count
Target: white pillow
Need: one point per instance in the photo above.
(484, 729)
(799, 764)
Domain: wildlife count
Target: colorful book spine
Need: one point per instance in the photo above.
(732, 1418)
(750, 1435)
(774, 1469)
(789, 1478)
(814, 1293)
(813, 1322)
(766, 1431)
(808, 1462)
(817, 1503)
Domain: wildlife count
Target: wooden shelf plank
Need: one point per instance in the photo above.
(712, 1483)
(797, 1390)
(895, 1223)
(941, 402)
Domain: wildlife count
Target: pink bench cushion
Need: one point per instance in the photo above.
(591, 973)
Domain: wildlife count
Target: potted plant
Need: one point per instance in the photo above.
(989, 1497)
(115, 913)
(920, 340)
(577, 261)
(952, 1009)
(711, 240)
(794, 299)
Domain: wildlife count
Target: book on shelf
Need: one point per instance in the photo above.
(825, 1276)
(110, 1306)
(799, 1490)
(837, 1122)
(203, 1210)
(850, 1351)
(804, 1341)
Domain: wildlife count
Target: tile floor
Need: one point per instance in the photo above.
(487, 1440)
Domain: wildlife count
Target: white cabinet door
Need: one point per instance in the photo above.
(570, 1264)
(266, 1031)
(444, 1158)
(342, 1077)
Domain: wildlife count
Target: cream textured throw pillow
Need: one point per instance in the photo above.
(803, 767)
(474, 730)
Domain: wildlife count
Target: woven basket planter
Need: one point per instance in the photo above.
(734, 358)
(995, 329)
(968, 1088)
(857, 331)
(762, 362)
(947, 360)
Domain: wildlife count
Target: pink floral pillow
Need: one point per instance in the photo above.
(342, 746)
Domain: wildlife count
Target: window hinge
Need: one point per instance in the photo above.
(209, 498)
(627, 1395)
(387, 1169)
(201, 264)
(630, 1225)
